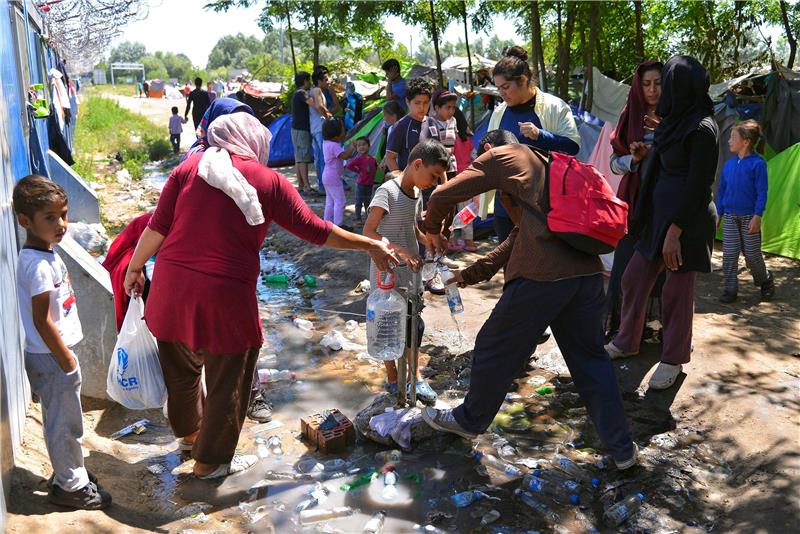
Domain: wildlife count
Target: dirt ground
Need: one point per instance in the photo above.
(719, 447)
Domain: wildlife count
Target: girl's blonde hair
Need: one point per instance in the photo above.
(749, 130)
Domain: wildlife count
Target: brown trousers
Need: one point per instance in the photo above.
(220, 415)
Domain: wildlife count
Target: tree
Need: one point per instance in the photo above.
(424, 54)
(233, 51)
(433, 18)
(564, 48)
(154, 67)
(127, 52)
(787, 26)
(637, 6)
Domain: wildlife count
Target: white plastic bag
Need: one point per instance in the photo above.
(135, 379)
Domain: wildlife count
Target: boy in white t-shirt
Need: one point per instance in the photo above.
(50, 319)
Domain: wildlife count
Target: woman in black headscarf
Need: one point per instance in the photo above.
(674, 218)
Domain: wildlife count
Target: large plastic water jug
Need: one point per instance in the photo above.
(386, 320)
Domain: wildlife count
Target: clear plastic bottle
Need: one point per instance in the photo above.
(268, 376)
(463, 218)
(496, 463)
(386, 320)
(620, 512)
(303, 324)
(566, 493)
(540, 507)
(577, 472)
(389, 485)
(275, 445)
(277, 475)
(375, 524)
(429, 268)
(315, 516)
(451, 292)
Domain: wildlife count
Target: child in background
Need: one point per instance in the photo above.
(392, 113)
(393, 214)
(366, 167)
(741, 199)
(50, 320)
(406, 132)
(176, 123)
(333, 135)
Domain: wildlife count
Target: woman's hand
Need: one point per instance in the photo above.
(382, 254)
(456, 279)
(755, 225)
(437, 244)
(638, 151)
(671, 251)
(529, 130)
(134, 282)
(412, 260)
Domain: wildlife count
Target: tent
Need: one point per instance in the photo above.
(281, 150)
(371, 127)
(780, 230)
(156, 89)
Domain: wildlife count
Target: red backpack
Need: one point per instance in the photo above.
(583, 209)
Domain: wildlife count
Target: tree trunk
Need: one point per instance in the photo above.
(594, 21)
(469, 65)
(315, 36)
(790, 36)
(291, 40)
(559, 46)
(562, 85)
(637, 7)
(435, 36)
(535, 41)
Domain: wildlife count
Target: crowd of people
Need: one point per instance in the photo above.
(222, 197)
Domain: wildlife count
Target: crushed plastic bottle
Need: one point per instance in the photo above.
(277, 475)
(309, 280)
(490, 517)
(362, 480)
(275, 278)
(577, 472)
(337, 464)
(375, 524)
(496, 463)
(541, 508)
(275, 445)
(307, 465)
(390, 457)
(451, 292)
(316, 496)
(261, 447)
(386, 320)
(623, 510)
(567, 492)
(464, 499)
(315, 516)
(389, 485)
(303, 324)
(270, 376)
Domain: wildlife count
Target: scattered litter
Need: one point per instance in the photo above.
(397, 424)
(315, 516)
(350, 326)
(135, 428)
(490, 517)
(375, 524)
(123, 176)
(251, 513)
(462, 500)
(363, 287)
(307, 465)
(156, 469)
(266, 427)
(193, 510)
(620, 512)
(303, 324)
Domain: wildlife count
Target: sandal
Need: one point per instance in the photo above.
(184, 445)
(425, 392)
(454, 247)
(238, 464)
(665, 375)
(471, 248)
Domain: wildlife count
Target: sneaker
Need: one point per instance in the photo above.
(443, 421)
(615, 352)
(630, 462)
(260, 410)
(768, 288)
(89, 497)
(665, 375)
(435, 285)
(727, 297)
(52, 479)
(239, 463)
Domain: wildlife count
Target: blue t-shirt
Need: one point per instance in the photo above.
(399, 89)
(743, 186)
(513, 115)
(404, 137)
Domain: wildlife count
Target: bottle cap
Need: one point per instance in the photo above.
(574, 499)
(478, 456)
(641, 496)
(596, 482)
(382, 279)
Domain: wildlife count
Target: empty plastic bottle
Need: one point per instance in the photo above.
(565, 493)
(276, 475)
(315, 516)
(463, 218)
(540, 507)
(310, 280)
(429, 267)
(275, 445)
(375, 524)
(451, 292)
(363, 480)
(496, 463)
(620, 512)
(389, 485)
(262, 449)
(577, 472)
(464, 499)
(337, 464)
(268, 376)
(317, 495)
(275, 278)
(386, 320)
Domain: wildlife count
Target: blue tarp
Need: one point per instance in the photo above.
(281, 150)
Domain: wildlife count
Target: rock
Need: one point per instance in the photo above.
(91, 237)
(123, 176)
(421, 433)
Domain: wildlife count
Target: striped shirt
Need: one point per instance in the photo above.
(398, 225)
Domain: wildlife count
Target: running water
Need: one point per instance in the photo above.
(462, 340)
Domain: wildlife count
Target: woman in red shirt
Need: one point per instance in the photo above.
(202, 307)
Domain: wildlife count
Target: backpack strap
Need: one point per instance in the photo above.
(545, 158)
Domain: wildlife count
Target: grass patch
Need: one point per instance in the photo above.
(107, 129)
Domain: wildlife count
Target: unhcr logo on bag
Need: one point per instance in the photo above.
(131, 382)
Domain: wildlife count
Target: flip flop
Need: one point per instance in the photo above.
(238, 464)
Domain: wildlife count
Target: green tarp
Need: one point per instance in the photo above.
(780, 226)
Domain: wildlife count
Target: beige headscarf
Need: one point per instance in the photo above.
(243, 135)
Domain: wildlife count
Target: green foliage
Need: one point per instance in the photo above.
(265, 67)
(154, 67)
(127, 52)
(232, 51)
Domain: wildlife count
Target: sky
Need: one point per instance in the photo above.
(184, 26)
